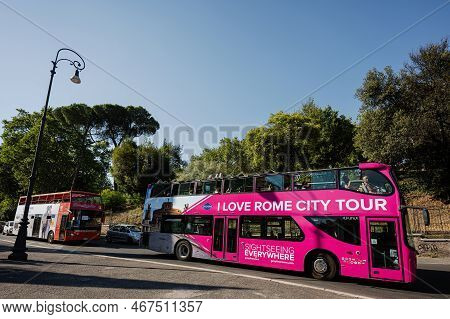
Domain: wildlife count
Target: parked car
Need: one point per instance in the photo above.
(2, 224)
(124, 233)
(8, 228)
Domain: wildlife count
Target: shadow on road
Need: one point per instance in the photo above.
(433, 282)
(14, 275)
(6, 264)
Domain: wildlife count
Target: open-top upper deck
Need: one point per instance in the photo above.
(371, 178)
(366, 189)
(76, 198)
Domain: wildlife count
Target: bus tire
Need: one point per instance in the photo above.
(50, 237)
(183, 250)
(323, 267)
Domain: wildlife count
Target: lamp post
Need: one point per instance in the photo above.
(19, 249)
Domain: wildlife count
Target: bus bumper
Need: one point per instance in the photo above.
(82, 236)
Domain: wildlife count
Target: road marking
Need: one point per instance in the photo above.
(282, 282)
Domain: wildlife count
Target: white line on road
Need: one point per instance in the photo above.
(282, 282)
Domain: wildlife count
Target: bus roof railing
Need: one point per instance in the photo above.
(57, 196)
(361, 166)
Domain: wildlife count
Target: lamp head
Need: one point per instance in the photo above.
(76, 78)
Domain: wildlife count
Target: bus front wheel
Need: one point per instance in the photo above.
(50, 237)
(183, 250)
(323, 267)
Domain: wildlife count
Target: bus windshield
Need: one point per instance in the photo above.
(160, 190)
(365, 181)
(87, 219)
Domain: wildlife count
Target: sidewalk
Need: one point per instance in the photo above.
(433, 260)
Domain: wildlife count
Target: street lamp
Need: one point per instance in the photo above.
(19, 249)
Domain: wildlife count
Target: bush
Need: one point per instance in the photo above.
(113, 200)
(7, 208)
(134, 200)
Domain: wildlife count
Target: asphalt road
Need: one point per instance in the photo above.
(101, 270)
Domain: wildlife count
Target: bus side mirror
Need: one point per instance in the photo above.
(426, 216)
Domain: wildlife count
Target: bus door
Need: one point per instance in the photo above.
(224, 245)
(62, 227)
(384, 249)
(36, 225)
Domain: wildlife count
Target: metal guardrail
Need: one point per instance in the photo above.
(439, 222)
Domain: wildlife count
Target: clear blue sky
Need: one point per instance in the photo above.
(207, 62)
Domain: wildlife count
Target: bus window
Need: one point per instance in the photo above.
(287, 184)
(231, 235)
(208, 187)
(271, 183)
(199, 187)
(217, 186)
(345, 228)
(160, 190)
(212, 187)
(187, 188)
(172, 225)
(291, 230)
(366, 181)
(384, 247)
(315, 180)
(238, 185)
(302, 181)
(284, 228)
(175, 189)
(248, 188)
(274, 228)
(198, 225)
(81, 198)
(251, 226)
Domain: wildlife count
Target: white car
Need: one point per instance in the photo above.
(8, 228)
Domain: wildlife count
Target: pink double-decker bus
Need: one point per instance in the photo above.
(348, 222)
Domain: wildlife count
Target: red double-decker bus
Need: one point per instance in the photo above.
(64, 216)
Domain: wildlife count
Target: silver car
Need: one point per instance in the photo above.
(124, 233)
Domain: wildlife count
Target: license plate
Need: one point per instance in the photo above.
(85, 238)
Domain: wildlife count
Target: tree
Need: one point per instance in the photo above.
(404, 117)
(312, 137)
(79, 120)
(59, 153)
(135, 166)
(117, 123)
(8, 192)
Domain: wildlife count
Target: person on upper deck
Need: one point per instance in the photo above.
(366, 187)
(345, 182)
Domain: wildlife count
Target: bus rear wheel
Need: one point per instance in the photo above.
(50, 237)
(183, 250)
(323, 267)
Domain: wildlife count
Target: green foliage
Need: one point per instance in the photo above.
(7, 208)
(300, 140)
(404, 118)
(134, 200)
(136, 166)
(113, 200)
(76, 151)
(117, 123)
(59, 153)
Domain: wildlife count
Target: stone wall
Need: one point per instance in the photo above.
(432, 247)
